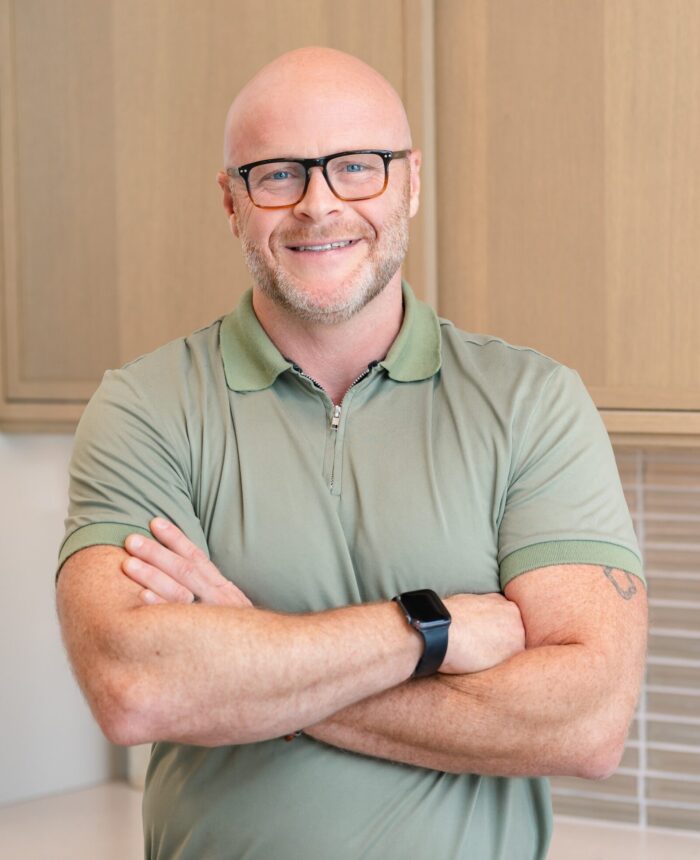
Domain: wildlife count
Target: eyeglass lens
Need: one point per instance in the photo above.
(352, 177)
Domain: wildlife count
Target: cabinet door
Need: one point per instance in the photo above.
(569, 188)
(114, 240)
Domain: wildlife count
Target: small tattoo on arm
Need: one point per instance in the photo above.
(625, 593)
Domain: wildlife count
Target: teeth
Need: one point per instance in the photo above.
(324, 247)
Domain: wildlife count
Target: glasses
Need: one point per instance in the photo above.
(358, 174)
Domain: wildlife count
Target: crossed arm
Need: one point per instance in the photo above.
(224, 672)
(562, 706)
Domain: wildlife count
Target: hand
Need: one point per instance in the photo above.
(486, 629)
(174, 570)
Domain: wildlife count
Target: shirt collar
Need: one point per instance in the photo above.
(252, 362)
(415, 353)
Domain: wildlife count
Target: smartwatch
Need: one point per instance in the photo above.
(429, 616)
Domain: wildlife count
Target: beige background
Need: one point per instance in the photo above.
(561, 190)
(568, 190)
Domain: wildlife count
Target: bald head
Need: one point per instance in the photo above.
(310, 102)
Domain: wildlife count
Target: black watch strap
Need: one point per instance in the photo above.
(435, 639)
(428, 615)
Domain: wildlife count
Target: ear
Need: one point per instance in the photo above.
(224, 183)
(414, 160)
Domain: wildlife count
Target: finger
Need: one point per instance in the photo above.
(159, 583)
(189, 564)
(151, 552)
(193, 570)
(210, 584)
(176, 540)
(151, 598)
(226, 593)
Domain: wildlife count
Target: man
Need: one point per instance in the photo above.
(326, 447)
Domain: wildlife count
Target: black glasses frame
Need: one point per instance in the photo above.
(307, 163)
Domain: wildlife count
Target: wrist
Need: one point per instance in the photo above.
(412, 644)
(425, 612)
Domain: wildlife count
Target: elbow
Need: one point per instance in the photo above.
(122, 711)
(601, 765)
(600, 756)
(603, 734)
(123, 729)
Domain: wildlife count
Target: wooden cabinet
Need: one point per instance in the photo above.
(561, 188)
(114, 239)
(569, 194)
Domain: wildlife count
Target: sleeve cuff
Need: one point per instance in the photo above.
(94, 534)
(550, 553)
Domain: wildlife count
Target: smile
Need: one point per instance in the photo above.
(330, 246)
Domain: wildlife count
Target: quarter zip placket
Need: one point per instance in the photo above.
(339, 435)
(337, 407)
(333, 442)
(337, 412)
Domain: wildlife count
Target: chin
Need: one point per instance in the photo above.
(324, 309)
(316, 303)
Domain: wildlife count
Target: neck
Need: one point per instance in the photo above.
(335, 355)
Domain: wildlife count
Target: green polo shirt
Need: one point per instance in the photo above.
(457, 462)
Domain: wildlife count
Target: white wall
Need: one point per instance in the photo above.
(49, 740)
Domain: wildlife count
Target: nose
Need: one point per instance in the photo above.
(319, 201)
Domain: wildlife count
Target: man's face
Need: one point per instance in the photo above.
(325, 286)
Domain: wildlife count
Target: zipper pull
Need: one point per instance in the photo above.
(335, 420)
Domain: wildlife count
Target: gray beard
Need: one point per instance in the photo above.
(383, 261)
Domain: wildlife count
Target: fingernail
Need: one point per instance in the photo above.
(159, 523)
(148, 596)
(134, 541)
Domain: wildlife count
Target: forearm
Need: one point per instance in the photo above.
(212, 675)
(546, 711)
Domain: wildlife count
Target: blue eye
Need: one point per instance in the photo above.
(355, 168)
(280, 174)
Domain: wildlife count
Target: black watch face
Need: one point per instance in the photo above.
(424, 605)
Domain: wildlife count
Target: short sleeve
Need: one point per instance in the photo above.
(124, 470)
(564, 502)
